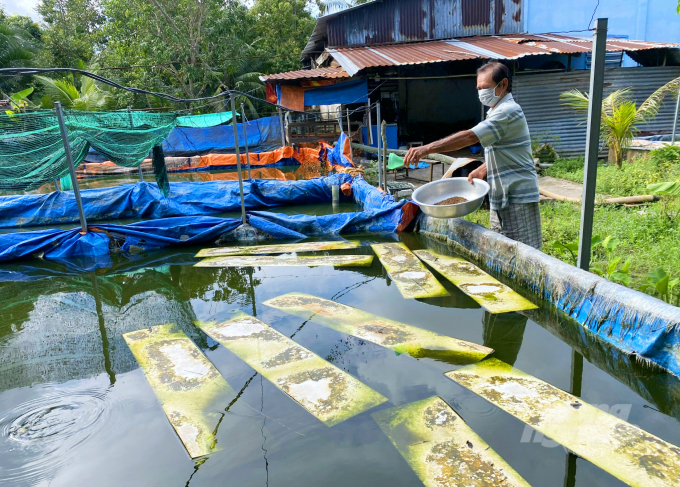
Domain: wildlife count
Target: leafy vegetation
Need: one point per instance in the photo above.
(632, 179)
(620, 115)
(182, 47)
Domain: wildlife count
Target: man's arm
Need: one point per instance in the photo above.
(453, 142)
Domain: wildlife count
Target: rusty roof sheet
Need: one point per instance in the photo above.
(307, 74)
(509, 46)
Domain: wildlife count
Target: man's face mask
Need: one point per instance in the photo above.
(488, 96)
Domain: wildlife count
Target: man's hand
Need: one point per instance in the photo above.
(479, 173)
(415, 154)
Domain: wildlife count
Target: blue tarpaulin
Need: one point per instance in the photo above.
(264, 134)
(380, 214)
(144, 200)
(343, 93)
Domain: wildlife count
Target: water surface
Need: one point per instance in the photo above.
(75, 408)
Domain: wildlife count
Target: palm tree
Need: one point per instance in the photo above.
(241, 71)
(90, 97)
(620, 115)
(16, 49)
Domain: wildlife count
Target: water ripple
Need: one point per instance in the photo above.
(41, 436)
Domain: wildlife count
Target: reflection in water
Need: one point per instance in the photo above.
(66, 394)
(504, 333)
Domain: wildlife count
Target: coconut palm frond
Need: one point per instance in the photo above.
(575, 99)
(651, 106)
(59, 90)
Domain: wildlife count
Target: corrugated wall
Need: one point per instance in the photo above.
(414, 20)
(549, 120)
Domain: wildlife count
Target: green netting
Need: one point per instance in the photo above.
(32, 151)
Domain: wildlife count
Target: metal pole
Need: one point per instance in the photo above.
(592, 142)
(370, 129)
(245, 137)
(71, 167)
(383, 136)
(132, 125)
(675, 120)
(238, 158)
(56, 185)
(380, 178)
(349, 127)
(283, 127)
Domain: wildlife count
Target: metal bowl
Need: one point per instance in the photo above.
(426, 196)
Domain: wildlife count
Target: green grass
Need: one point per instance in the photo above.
(630, 180)
(646, 236)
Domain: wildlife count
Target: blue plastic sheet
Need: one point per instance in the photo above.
(335, 155)
(144, 200)
(380, 214)
(264, 134)
(636, 323)
(343, 93)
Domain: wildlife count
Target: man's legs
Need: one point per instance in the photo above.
(521, 222)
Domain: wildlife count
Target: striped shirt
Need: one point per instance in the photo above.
(507, 151)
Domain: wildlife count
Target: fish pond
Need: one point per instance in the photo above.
(77, 408)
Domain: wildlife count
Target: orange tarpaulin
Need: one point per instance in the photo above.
(302, 155)
(293, 97)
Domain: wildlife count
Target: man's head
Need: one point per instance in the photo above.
(494, 75)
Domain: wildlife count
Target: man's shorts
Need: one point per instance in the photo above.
(521, 222)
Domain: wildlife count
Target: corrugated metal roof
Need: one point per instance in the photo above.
(307, 74)
(509, 46)
(551, 121)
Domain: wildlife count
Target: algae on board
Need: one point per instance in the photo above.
(409, 274)
(630, 454)
(493, 295)
(187, 385)
(279, 248)
(441, 449)
(391, 334)
(327, 392)
(287, 260)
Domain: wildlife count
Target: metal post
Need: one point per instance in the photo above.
(245, 137)
(383, 136)
(592, 142)
(349, 127)
(370, 129)
(132, 125)
(675, 120)
(283, 127)
(56, 185)
(238, 158)
(380, 178)
(71, 167)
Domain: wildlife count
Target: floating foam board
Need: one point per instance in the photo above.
(441, 449)
(279, 249)
(388, 333)
(187, 385)
(409, 274)
(490, 293)
(327, 392)
(287, 260)
(625, 451)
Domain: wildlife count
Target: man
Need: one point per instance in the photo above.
(509, 164)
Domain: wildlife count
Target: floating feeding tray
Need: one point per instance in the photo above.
(628, 453)
(327, 392)
(391, 334)
(411, 277)
(279, 249)
(187, 385)
(287, 260)
(491, 294)
(441, 449)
